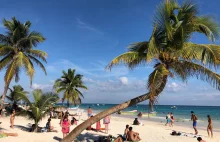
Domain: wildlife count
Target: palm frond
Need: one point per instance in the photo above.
(186, 69)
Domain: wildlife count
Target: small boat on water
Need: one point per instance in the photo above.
(174, 107)
(133, 111)
(74, 107)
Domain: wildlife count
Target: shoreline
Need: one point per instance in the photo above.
(152, 131)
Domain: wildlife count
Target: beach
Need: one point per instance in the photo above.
(152, 131)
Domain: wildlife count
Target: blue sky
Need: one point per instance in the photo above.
(86, 35)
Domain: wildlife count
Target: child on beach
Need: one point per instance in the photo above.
(209, 128)
(49, 127)
(12, 118)
(65, 124)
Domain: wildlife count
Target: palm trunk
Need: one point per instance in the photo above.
(103, 114)
(68, 103)
(36, 126)
(75, 132)
(4, 94)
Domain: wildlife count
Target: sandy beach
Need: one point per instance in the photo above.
(150, 132)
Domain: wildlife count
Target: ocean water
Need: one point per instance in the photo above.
(181, 113)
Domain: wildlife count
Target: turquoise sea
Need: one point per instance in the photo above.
(180, 113)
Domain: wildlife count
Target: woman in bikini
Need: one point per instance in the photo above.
(210, 127)
(65, 124)
(12, 118)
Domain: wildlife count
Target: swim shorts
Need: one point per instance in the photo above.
(89, 114)
(194, 123)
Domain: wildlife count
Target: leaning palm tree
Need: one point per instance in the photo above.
(17, 51)
(39, 107)
(14, 95)
(69, 84)
(171, 53)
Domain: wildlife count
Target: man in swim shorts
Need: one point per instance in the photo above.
(89, 112)
(194, 119)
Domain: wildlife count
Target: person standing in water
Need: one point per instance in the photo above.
(89, 112)
(209, 128)
(194, 119)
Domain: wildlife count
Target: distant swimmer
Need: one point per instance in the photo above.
(210, 127)
(194, 119)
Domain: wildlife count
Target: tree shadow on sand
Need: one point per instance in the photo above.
(23, 128)
(95, 137)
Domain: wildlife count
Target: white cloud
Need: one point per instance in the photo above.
(115, 85)
(124, 80)
(97, 71)
(83, 25)
(174, 87)
(42, 86)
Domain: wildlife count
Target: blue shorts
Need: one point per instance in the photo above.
(89, 114)
(194, 123)
(168, 120)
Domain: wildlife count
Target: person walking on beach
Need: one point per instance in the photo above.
(89, 112)
(12, 118)
(209, 128)
(106, 121)
(168, 119)
(194, 119)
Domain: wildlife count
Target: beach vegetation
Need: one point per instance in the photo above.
(17, 52)
(39, 107)
(70, 84)
(171, 52)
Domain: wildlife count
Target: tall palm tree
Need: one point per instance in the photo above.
(14, 95)
(171, 53)
(69, 84)
(39, 107)
(17, 51)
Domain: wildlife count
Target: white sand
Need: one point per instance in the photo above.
(150, 132)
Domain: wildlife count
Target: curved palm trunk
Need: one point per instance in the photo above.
(75, 132)
(103, 114)
(4, 94)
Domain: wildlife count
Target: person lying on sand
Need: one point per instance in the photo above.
(200, 139)
(136, 122)
(49, 127)
(4, 134)
(133, 136)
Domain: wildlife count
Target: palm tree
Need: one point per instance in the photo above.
(17, 51)
(171, 53)
(39, 107)
(69, 83)
(14, 95)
